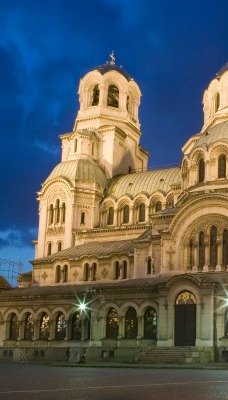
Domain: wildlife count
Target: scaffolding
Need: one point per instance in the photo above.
(10, 270)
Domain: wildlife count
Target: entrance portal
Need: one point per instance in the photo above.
(185, 319)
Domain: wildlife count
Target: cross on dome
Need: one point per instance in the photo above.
(112, 62)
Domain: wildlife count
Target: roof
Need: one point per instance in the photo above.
(222, 70)
(4, 284)
(148, 283)
(103, 69)
(147, 182)
(82, 170)
(214, 134)
(93, 249)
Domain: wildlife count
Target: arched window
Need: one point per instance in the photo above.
(94, 272)
(112, 324)
(213, 247)
(225, 248)
(158, 206)
(113, 96)
(51, 214)
(14, 327)
(82, 217)
(149, 266)
(96, 94)
(150, 323)
(142, 212)
(201, 170)
(226, 323)
(126, 210)
(110, 216)
(57, 211)
(58, 273)
(76, 325)
(65, 273)
(125, 270)
(116, 270)
(131, 324)
(44, 327)
(29, 327)
(49, 249)
(63, 213)
(201, 249)
(222, 166)
(128, 103)
(59, 246)
(86, 272)
(60, 329)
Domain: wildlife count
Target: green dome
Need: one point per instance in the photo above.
(212, 135)
(79, 170)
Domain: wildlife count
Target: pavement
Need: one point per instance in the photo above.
(207, 366)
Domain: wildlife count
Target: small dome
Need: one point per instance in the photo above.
(103, 69)
(214, 134)
(222, 70)
(79, 170)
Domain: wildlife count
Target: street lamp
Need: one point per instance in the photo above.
(83, 307)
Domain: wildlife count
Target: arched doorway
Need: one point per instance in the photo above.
(185, 319)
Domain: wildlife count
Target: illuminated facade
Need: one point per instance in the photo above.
(147, 251)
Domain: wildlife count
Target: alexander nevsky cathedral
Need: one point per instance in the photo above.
(130, 264)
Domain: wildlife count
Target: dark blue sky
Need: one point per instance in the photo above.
(171, 48)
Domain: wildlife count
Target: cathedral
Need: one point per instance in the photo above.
(130, 264)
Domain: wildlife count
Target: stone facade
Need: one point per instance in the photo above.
(146, 252)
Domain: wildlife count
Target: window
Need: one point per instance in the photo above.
(128, 103)
(14, 327)
(96, 94)
(51, 214)
(59, 246)
(86, 272)
(158, 206)
(191, 253)
(76, 145)
(116, 270)
(125, 270)
(149, 266)
(57, 211)
(201, 170)
(213, 247)
(112, 324)
(29, 327)
(126, 214)
(225, 247)
(49, 249)
(226, 323)
(113, 96)
(82, 217)
(201, 250)
(131, 324)
(63, 213)
(150, 323)
(44, 327)
(142, 212)
(60, 331)
(110, 216)
(76, 326)
(65, 273)
(217, 101)
(58, 274)
(222, 166)
(94, 271)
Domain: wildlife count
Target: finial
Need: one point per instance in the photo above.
(112, 62)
